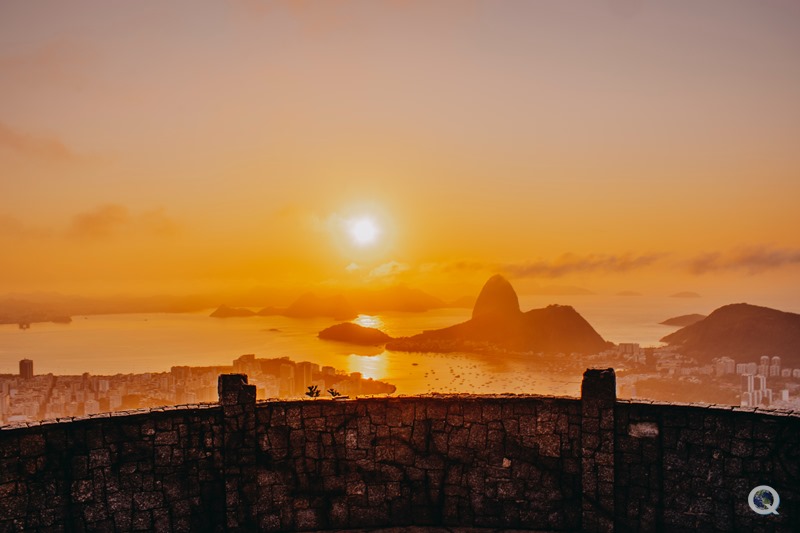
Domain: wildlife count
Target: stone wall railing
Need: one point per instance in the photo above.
(506, 461)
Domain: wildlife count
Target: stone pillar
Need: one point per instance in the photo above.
(238, 401)
(598, 396)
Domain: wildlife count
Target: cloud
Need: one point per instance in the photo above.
(157, 222)
(753, 259)
(11, 227)
(110, 220)
(100, 222)
(565, 265)
(62, 61)
(574, 264)
(47, 148)
(392, 268)
(463, 266)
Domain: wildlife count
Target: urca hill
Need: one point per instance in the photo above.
(498, 321)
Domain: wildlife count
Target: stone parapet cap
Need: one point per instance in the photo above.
(112, 414)
(780, 412)
(429, 396)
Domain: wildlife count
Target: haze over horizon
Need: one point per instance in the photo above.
(194, 147)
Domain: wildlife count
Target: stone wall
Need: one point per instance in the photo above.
(159, 470)
(691, 467)
(521, 462)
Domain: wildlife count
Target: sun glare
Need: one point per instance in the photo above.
(363, 231)
(369, 321)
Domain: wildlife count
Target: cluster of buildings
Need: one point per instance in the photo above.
(762, 383)
(754, 381)
(631, 351)
(27, 397)
(283, 378)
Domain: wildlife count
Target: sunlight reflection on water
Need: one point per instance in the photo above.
(369, 321)
(155, 342)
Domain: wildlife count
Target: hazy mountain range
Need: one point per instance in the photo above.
(51, 306)
(346, 307)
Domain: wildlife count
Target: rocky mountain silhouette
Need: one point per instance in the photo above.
(497, 321)
(496, 299)
(744, 332)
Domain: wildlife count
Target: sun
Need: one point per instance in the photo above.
(363, 231)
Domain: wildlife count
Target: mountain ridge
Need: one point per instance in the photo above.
(742, 331)
(498, 321)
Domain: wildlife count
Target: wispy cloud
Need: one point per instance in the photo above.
(390, 269)
(113, 219)
(62, 61)
(576, 264)
(562, 266)
(752, 259)
(41, 147)
(13, 228)
(157, 222)
(101, 222)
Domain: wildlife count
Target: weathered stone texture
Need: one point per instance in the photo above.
(512, 462)
(143, 471)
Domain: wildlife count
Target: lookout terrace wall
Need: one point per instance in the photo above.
(521, 462)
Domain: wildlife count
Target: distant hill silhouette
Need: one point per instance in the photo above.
(310, 305)
(744, 332)
(270, 311)
(466, 302)
(497, 321)
(223, 311)
(51, 306)
(685, 294)
(683, 320)
(396, 298)
(349, 306)
(55, 307)
(629, 293)
(355, 334)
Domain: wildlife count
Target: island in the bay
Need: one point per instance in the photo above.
(683, 320)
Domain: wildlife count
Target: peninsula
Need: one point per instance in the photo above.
(498, 322)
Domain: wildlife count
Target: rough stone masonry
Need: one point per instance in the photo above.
(503, 461)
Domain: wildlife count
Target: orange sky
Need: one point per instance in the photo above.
(188, 146)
